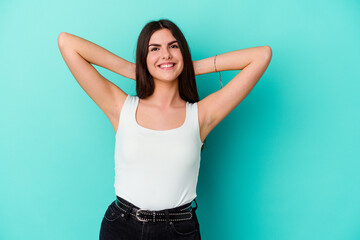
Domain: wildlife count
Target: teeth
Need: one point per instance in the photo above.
(167, 65)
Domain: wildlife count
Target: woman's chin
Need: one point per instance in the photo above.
(167, 79)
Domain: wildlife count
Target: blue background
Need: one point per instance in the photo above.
(283, 165)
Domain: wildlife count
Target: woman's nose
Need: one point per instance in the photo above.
(166, 54)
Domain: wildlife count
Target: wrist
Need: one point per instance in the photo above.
(195, 65)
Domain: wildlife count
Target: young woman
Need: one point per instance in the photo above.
(160, 131)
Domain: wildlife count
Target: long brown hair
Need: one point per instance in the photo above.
(144, 81)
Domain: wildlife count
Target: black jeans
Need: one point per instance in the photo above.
(117, 225)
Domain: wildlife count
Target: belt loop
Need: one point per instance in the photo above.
(128, 210)
(167, 216)
(196, 204)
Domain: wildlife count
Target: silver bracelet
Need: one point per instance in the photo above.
(221, 85)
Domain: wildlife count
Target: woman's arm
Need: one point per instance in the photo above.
(235, 60)
(78, 55)
(251, 61)
(98, 55)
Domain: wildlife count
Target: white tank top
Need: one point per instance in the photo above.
(156, 169)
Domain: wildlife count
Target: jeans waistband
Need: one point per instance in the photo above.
(175, 209)
(180, 213)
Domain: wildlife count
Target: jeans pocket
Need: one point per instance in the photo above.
(113, 212)
(184, 228)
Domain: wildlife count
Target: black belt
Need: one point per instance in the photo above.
(181, 213)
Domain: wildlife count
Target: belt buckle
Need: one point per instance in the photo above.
(137, 216)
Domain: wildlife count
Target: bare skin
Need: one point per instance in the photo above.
(164, 109)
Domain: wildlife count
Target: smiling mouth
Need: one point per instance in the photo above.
(167, 66)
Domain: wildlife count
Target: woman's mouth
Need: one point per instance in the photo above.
(167, 66)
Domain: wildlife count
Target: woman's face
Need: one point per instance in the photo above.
(164, 59)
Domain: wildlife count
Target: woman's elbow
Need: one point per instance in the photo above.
(268, 51)
(61, 38)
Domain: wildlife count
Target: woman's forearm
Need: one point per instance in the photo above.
(235, 60)
(98, 55)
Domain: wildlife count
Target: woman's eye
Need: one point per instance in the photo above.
(174, 46)
(153, 49)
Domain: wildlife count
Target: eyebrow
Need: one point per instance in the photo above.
(158, 45)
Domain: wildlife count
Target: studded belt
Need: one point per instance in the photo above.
(175, 214)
